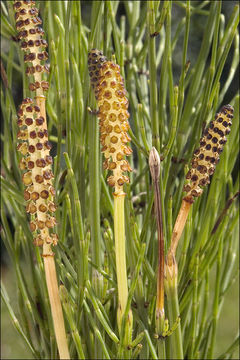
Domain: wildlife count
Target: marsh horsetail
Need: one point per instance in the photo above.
(203, 164)
(110, 94)
(36, 162)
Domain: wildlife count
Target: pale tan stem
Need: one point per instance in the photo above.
(119, 234)
(178, 228)
(56, 308)
(51, 277)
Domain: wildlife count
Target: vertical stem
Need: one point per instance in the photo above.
(119, 234)
(166, 72)
(194, 310)
(160, 289)
(125, 327)
(154, 164)
(184, 61)
(94, 182)
(199, 68)
(153, 76)
(94, 186)
(51, 277)
(160, 312)
(178, 227)
(58, 321)
(94, 157)
(216, 301)
(185, 246)
(173, 309)
(204, 314)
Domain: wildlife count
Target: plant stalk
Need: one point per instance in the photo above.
(56, 308)
(51, 277)
(178, 228)
(153, 76)
(154, 164)
(170, 283)
(119, 231)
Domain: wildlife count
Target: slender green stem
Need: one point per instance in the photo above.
(116, 31)
(173, 129)
(94, 160)
(16, 322)
(194, 311)
(153, 76)
(166, 75)
(74, 330)
(77, 229)
(216, 301)
(96, 330)
(99, 313)
(161, 18)
(184, 60)
(150, 344)
(204, 314)
(176, 343)
(199, 68)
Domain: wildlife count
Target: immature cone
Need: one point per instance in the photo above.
(33, 44)
(110, 94)
(37, 176)
(207, 155)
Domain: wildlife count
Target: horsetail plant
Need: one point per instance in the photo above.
(112, 103)
(203, 166)
(36, 161)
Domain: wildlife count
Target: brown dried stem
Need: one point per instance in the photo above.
(154, 164)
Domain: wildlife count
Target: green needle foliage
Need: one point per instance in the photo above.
(179, 60)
